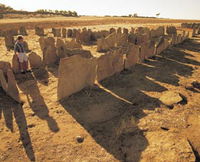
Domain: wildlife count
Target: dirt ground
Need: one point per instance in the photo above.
(121, 119)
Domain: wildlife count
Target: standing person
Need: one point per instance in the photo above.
(21, 53)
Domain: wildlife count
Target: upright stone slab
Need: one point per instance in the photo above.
(110, 63)
(161, 47)
(49, 55)
(64, 32)
(118, 60)
(60, 48)
(75, 73)
(9, 87)
(39, 31)
(69, 33)
(73, 44)
(42, 43)
(48, 48)
(133, 56)
(15, 64)
(85, 37)
(119, 30)
(4, 66)
(9, 42)
(171, 30)
(56, 32)
(112, 41)
(35, 60)
(112, 30)
(3, 82)
(12, 86)
(160, 31)
(104, 67)
(22, 31)
(125, 30)
(74, 33)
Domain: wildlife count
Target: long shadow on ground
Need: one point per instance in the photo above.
(107, 112)
(35, 99)
(12, 110)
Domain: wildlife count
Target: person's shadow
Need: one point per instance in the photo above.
(12, 110)
(36, 100)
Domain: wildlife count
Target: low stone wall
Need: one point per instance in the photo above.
(77, 72)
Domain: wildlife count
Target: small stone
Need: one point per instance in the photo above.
(169, 98)
(79, 139)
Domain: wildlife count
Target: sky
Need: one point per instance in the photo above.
(181, 9)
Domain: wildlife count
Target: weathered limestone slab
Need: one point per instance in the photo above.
(69, 33)
(143, 52)
(112, 41)
(15, 64)
(49, 55)
(42, 43)
(22, 31)
(161, 46)
(39, 31)
(125, 30)
(74, 31)
(73, 44)
(64, 32)
(110, 63)
(99, 34)
(35, 60)
(3, 82)
(48, 48)
(118, 60)
(9, 42)
(171, 30)
(56, 32)
(132, 56)
(10, 87)
(160, 31)
(4, 66)
(104, 67)
(75, 73)
(194, 32)
(119, 30)
(85, 37)
(81, 52)
(142, 39)
(46, 41)
(60, 48)
(70, 48)
(112, 30)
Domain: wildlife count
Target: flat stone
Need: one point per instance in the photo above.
(169, 98)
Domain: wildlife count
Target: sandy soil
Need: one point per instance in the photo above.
(121, 119)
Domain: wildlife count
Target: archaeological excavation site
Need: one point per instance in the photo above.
(101, 93)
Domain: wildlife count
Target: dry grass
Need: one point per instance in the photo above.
(82, 21)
